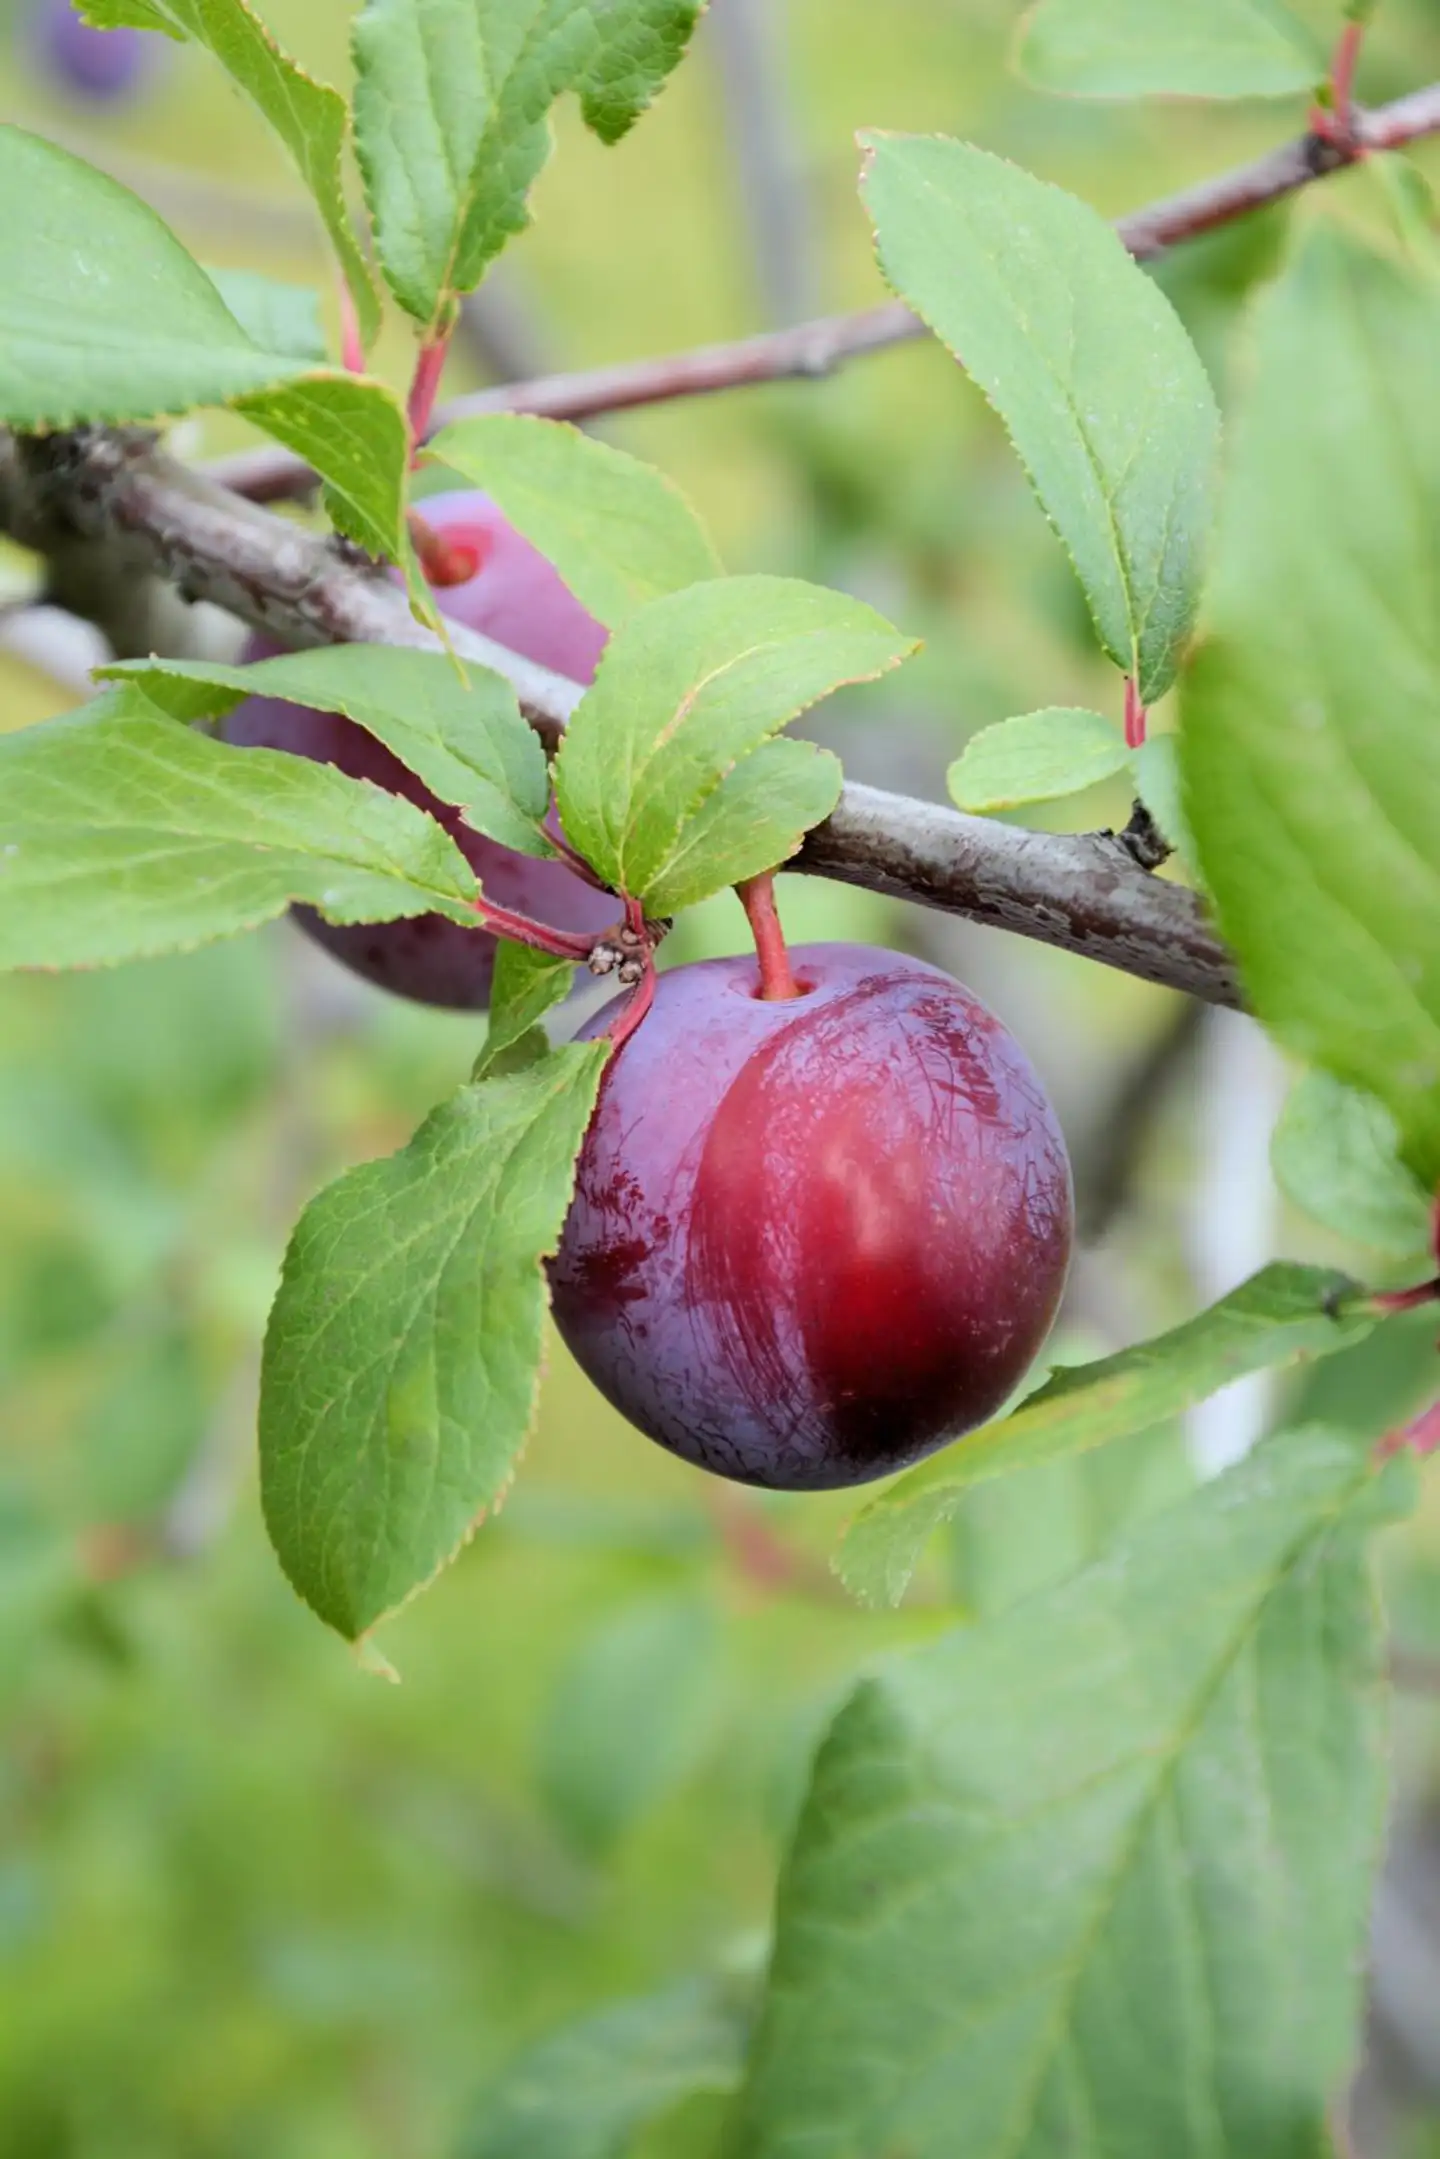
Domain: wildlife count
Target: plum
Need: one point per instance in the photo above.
(813, 1239)
(103, 66)
(514, 596)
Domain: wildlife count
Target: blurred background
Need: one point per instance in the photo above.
(252, 1898)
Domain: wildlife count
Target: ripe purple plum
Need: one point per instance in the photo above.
(814, 1239)
(101, 66)
(513, 595)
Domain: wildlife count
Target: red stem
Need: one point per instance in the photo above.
(424, 388)
(560, 944)
(571, 856)
(757, 896)
(1407, 1300)
(1135, 715)
(1342, 73)
(1336, 122)
(352, 348)
(1422, 1435)
(625, 1023)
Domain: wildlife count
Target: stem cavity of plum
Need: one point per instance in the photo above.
(444, 562)
(777, 978)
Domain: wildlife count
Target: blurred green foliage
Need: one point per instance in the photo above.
(252, 1898)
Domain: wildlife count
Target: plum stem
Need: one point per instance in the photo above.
(424, 387)
(444, 561)
(1135, 715)
(757, 896)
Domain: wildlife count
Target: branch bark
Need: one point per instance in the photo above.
(114, 489)
(818, 347)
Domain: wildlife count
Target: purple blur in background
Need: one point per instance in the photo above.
(101, 66)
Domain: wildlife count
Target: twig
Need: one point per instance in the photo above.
(818, 347)
(1085, 895)
(1081, 893)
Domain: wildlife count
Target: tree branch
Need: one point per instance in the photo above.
(115, 489)
(818, 347)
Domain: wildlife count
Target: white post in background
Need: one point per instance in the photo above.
(1234, 1213)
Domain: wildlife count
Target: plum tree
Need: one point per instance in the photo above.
(498, 584)
(100, 65)
(812, 1239)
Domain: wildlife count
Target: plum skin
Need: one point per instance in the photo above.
(516, 597)
(98, 64)
(813, 1240)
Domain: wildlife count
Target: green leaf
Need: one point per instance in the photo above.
(311, 120)
(353, 431)
(464, 738)
(1036, 758)
(526, 985)
(1015, 1535)
(402, 1357)
(1280, 1314)
(1310, 738)
(685, 689)
(630, 1716)
(278, 316)
(122, 834)
(1414, 210)
(587, 2091)
(1095, 1876)
(1133, 48)
(1335, 1153)
(103, 315)
(755, 820)
(1085, 361)
(451, 98)
(619, 532)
